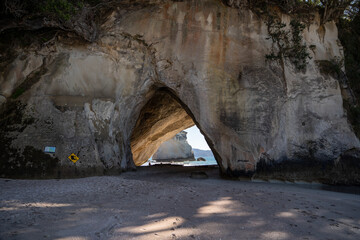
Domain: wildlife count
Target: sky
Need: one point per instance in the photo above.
(196, 139)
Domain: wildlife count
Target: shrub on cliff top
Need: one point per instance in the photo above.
(62, 9)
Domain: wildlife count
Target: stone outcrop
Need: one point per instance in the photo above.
(175, 149)
(159, 68)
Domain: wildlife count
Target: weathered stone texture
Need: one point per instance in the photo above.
(93, 99)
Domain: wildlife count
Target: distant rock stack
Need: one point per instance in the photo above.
(176, 149)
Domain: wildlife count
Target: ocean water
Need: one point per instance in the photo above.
(209, 161)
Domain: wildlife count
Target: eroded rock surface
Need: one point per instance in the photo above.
(101, 100)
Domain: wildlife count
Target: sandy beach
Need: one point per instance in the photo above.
(165, 203)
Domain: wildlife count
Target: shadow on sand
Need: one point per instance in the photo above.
(165, 203)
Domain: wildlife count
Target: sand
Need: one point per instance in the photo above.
(165, 203)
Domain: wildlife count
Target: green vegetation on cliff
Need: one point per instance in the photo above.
(349, 35)
(289, 42)
(77, 16)
(61, 9)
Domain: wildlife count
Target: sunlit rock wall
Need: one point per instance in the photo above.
(159, 120)
(259, 117)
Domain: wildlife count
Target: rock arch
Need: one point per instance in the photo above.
(160, 119)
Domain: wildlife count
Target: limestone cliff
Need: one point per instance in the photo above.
(156, 69)
(175, 149)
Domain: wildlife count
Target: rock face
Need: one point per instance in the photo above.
(175, 149)
(158, 69)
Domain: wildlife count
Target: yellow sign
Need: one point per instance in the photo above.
(73, 158)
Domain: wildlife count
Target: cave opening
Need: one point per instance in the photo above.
(162, 121)
(187, 148)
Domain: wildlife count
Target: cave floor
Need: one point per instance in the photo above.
(163, 202)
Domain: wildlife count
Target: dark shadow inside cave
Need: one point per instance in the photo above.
(161, 118)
